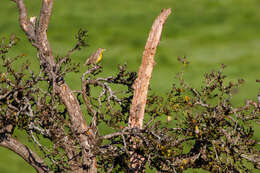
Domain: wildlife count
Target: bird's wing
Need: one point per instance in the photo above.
(88, 61)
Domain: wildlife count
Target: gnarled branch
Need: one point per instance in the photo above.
(28, 155)
(28, 26)
(47, 61)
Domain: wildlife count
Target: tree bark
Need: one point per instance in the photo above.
(37, 35)
(141, 84)
(28, 155)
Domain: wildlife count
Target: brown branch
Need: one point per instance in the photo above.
(78, 124)
(41, 31)
(254, 158)
(44, 19)
(145, 72)
(28, 26)
(29, 156)
(44, 49)
(140, 86)
(84, 83)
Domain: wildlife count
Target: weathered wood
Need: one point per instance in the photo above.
(140, 86)
(28, 155)
(37, 35)
(145, 71)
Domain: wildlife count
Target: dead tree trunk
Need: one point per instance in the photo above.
(141, 84)
(145, 71)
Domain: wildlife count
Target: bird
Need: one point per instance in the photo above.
(96, 57)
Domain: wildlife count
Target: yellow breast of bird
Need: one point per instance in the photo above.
(99, 58)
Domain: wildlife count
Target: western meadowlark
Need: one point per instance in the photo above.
(96, 57)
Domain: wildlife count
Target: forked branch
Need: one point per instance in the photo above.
(37, 35)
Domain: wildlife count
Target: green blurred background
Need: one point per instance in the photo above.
(208, 32)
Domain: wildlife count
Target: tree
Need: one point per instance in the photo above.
(209, 132)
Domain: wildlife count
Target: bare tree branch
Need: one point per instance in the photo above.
(78, 124)
(28, 26)
(28, 155)
(255, 158)
(145, 71)
(140, 86)
(84, 83)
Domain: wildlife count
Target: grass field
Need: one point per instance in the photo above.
(208, 32)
